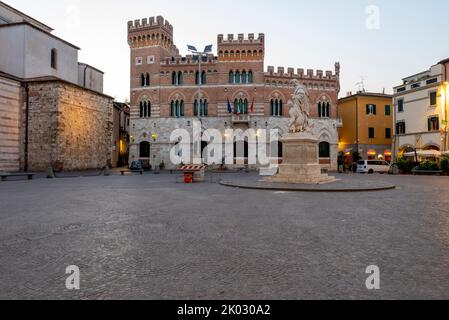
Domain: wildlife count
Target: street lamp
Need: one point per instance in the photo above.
(445, 115)
(200, 55)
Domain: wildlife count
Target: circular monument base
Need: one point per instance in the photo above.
(336, 186)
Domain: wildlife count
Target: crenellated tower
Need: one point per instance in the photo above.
(150, 41)
(241, 49)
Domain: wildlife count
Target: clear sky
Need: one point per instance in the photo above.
(382, 41)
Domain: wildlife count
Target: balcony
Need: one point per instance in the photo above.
(242, 118)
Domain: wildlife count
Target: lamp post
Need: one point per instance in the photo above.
(200, 55)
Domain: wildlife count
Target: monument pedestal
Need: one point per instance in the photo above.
(300, 161)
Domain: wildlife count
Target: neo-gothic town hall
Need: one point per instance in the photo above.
(169, 91)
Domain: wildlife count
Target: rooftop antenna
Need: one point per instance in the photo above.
(361, 84)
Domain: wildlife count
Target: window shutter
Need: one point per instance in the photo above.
(367, 109)
(374, 109)
(429, 124)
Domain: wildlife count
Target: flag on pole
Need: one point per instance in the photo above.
(239, 111)
(252, 105)
(229, 106)
(191, 48)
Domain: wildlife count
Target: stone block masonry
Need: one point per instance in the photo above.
(10, 101)
(70, 128)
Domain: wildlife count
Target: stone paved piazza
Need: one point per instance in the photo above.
(147, 237)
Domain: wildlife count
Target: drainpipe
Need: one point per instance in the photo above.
(27, 121)
(85, 69)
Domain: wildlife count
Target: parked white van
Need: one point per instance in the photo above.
(372, 166)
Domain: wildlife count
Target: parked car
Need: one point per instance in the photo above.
(372, 166)
(136, 165)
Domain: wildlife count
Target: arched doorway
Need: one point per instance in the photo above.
(324, 153)
(144, 154)
(325, 149)
(241, 151)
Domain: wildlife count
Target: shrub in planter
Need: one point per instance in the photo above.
(444, 164)
(429, 166)
(405, 165)
(162, 166)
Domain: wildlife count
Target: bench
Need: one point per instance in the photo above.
(426, 172)
(131, 171)
(5, 176)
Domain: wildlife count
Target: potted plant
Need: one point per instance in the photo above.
(162, 165)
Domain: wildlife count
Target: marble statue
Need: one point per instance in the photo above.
(299, 109)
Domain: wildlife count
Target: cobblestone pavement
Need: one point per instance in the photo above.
(148, 237)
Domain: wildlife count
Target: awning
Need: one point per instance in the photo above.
(424, 153)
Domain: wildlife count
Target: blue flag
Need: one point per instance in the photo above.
(229, 106)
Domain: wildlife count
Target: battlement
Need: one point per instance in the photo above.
(151, 23)
(189, 60)
(240, 39)
(301, 73)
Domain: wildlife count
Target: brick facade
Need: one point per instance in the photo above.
(156, 69)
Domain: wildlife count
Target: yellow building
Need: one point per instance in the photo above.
(367, 125)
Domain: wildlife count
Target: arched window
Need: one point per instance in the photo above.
(197, 78)
(145, 109)
(231, 77)
(276, 107)
(250, 77)
(237, 77)
(325, 150)
(281, 108)
(177, 109)
(144, 150)
(244, 77)
(142, 80)
(180, 78)
(203, 78)
(324, 109)
(54, 58)
(147, 80)
(174, 79)
(201, 108)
